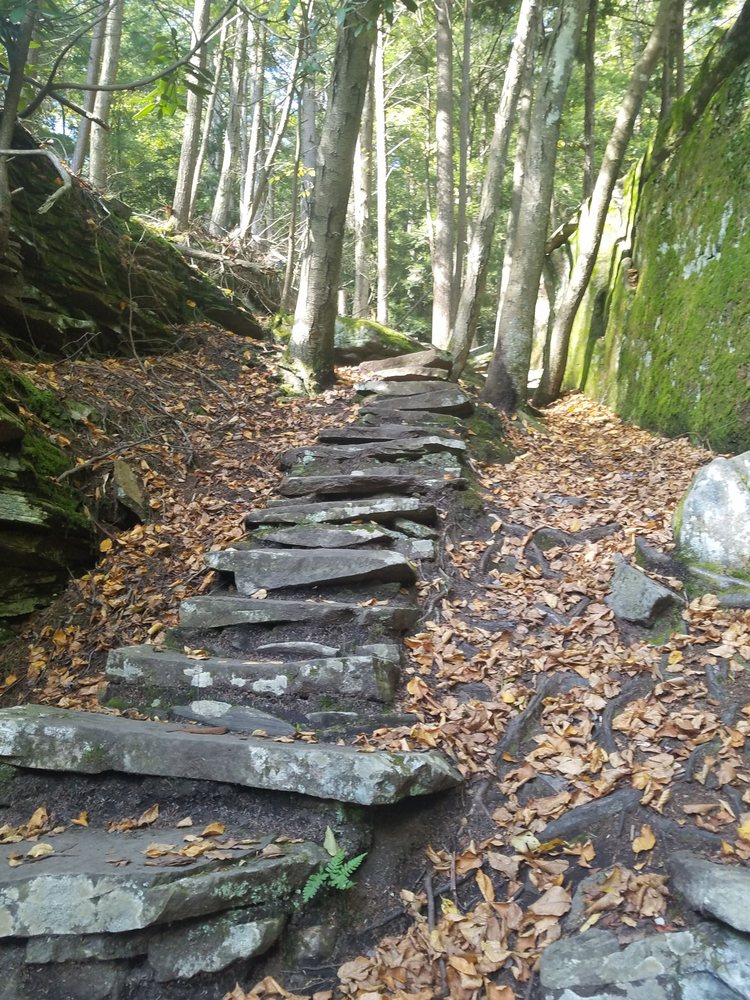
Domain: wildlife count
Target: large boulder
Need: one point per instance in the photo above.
(358, 340)
(712, 523)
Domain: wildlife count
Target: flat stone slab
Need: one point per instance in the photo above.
(58, 739)
(720, 891)
(271, 569)
(359, 434)
(375, 414)
(236, 718)
(706, 962)
(343, 537)
(405, 448)
(104, 883)
(449, 400)
(361, 482)
(382, 510)
(223, 611)
(366, 676)
(314, 649)
(212, 945)
(431, 358)
(417, 387)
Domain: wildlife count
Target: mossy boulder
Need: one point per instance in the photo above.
(664, 334)
(358, 340)
(44, 531)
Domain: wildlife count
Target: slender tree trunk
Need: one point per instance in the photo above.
(226, 189)
(381, 173)
(592, 220)
(291, 236)
(484, 229)
(311, 344)
(679, 49)
(18, 55)
(508, 373)
(89, 98)
(210, 111)
(442, 261)
(589, 102)
(99, 140)
(191, 129)
(308, 107)
(525, 103)
(464, 134)
(362, 197)
(255, 193)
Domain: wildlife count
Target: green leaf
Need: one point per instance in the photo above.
(329, 843)
(314, 884)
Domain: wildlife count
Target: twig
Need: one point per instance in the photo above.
(67, 182)
(106, 454)
(431, 925)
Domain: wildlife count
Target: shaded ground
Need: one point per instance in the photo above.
(589, 750)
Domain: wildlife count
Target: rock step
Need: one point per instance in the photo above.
(367, 677)
(235, 718)
(416, 372)
(417, 387)
(372, 537)
(382, 510)
(58, 739)
(372, 414)
(364, 482)
(359, 434)
(223, 610)
(432, 358)
(451, 401)
(409, 447)
(271, 569)
(79, 890)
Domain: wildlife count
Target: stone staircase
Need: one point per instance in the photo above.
(244, 710)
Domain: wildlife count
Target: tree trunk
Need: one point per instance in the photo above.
(508, 373)
(464, 136)
(210, 110)
(291, 236)
(311, 344)
(89, 98)
(18, 55)
(99, 141)
(589, 102)
(256, 191)
(525, 102)
(308, 128)
(381, 173)
(362, 192)
(226, 189)
(594, 216)
(191, 129)
(442, 260)
(679, 49)
(484, 229)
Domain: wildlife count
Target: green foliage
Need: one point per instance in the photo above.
(337, 874)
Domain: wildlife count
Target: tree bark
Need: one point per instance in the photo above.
(442, 260)
(589, 102)
(381, 173)
(507, 377)
(99, 140)
(89, 98)
(362, 197)
(484, 228)
(464, 138)
(308, 128)
(291, 236)
(208, 122)
(18, 54)
(191, 129)
(311, 344)
(226, 189)
(594, 216)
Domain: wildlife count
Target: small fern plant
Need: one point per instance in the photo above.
(337, 874)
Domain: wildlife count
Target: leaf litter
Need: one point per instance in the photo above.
(524, 606)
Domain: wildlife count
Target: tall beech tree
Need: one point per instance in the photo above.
(311, 344)
(507, 376)
(594, 214)
(442, 254)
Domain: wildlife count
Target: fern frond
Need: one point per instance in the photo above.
(314, 884)
(341, 871)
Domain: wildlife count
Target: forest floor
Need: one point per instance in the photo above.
(519, 672)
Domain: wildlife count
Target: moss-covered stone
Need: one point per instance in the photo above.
(664, 335)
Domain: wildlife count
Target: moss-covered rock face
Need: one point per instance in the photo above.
(664, 337)
(43, 530)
